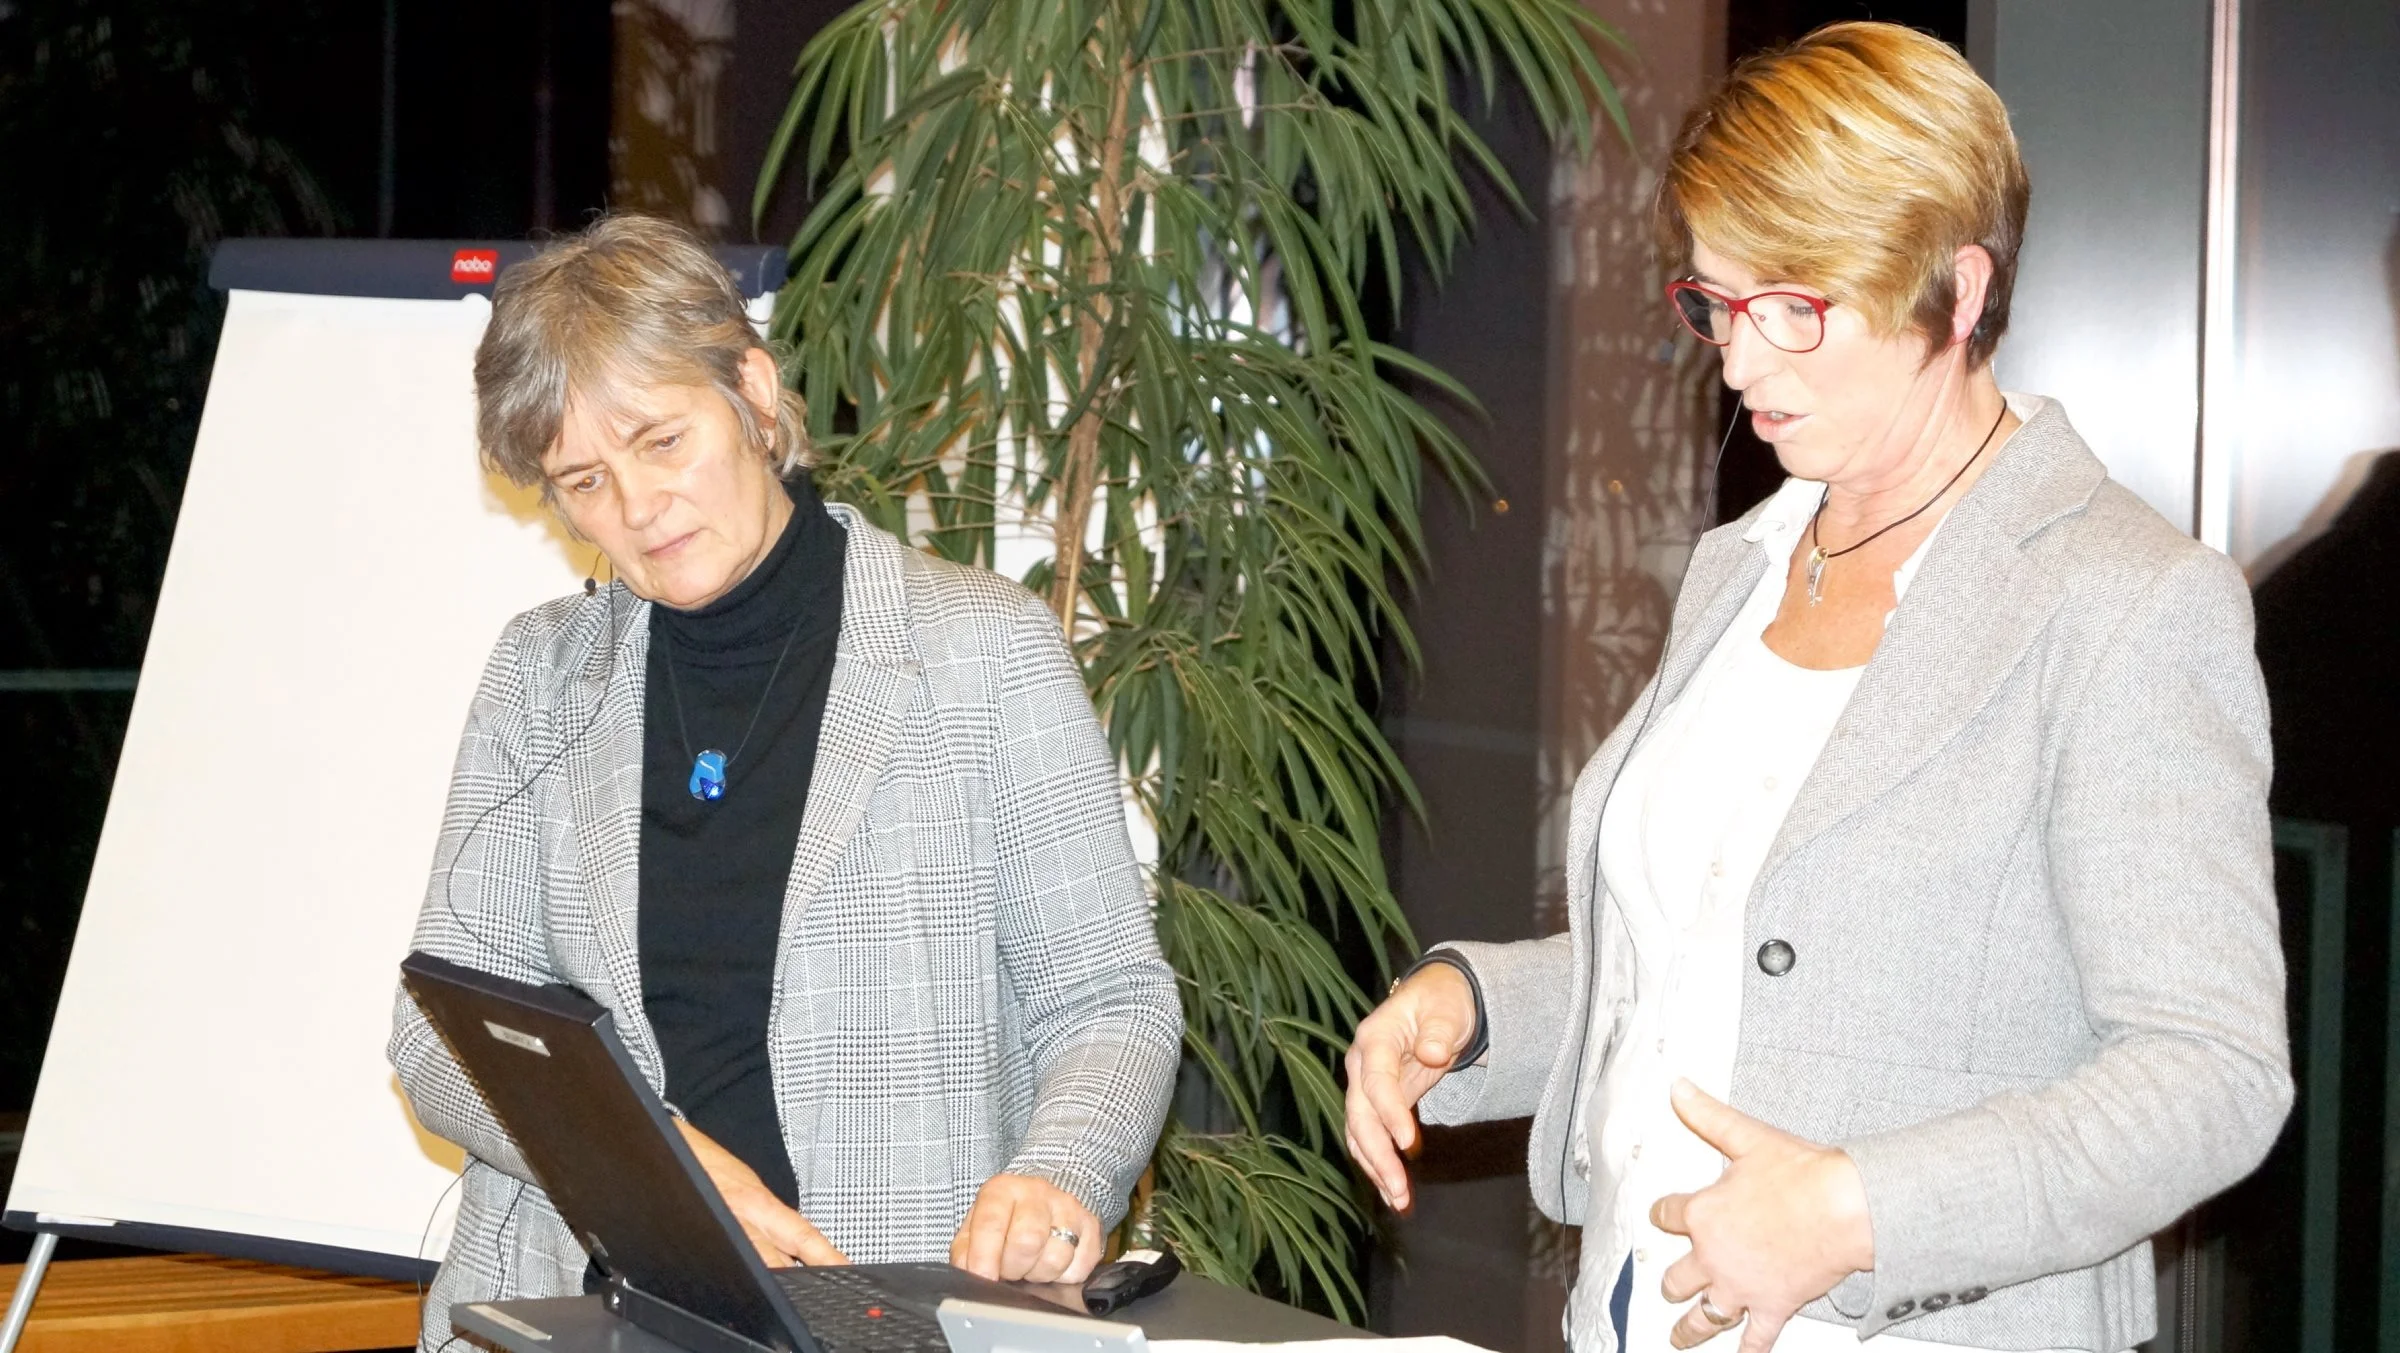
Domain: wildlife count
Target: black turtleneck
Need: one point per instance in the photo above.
(712, 874)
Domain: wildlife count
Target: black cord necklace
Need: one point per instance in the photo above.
(1819, 556)
(709, 766)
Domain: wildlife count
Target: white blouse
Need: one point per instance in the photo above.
(1682, 839)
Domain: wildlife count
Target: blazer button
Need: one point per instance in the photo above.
(1900, 1311)
(1973, 1294)
(1775, 958)
(1936, 1302)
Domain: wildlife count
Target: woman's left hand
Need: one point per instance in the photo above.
(1784, 1224)
(1019, 1231)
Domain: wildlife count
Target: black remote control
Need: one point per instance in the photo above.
(1136, 1275)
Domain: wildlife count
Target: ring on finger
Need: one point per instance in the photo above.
(1062, 1233)
(1709, 1312)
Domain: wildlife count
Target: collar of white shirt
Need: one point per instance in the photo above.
(1786, 514)
(1785, 519)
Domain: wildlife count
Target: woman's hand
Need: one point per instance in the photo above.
(1784, 1223)
(1401, 1049)
(782, 1235)
(1023, 1229)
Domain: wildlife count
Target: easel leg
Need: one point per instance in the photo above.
(29, 1282)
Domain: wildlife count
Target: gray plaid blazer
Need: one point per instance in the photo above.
(2038, 992)
(969, 982)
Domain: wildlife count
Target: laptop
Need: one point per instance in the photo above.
(676, 1263)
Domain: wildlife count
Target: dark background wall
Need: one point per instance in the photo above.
(134, 135)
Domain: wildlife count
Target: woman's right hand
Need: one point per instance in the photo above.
(1402, 1047)
(782, 1235)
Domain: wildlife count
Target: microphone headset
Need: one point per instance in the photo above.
(1591, 991)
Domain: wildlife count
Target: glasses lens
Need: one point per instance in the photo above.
(1789, 320)
(1705, 315)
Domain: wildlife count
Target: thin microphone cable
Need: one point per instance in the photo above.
(501, 1286)
(1706, 514)
(425, 1235)
(607, 678)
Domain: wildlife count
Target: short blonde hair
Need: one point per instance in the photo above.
(1856, 161)
(627, 303)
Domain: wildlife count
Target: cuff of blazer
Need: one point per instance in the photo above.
(1919, 1180)
(1850, 1297)
(1455, 1098)
(1085, 1185)
(1523, 987)
(1479, 1041)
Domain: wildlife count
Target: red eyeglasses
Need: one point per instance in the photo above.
(1787, 319)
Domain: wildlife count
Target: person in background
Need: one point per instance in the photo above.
(828, 824)
(1922, 957)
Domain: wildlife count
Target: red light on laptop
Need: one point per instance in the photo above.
(475, 267)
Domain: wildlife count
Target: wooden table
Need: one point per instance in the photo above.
(197, 1303)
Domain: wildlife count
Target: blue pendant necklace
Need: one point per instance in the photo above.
(709, 766)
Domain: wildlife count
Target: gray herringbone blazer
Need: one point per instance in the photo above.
(2039, 990)
(969, 981)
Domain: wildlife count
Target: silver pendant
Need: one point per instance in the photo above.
(1816, 574)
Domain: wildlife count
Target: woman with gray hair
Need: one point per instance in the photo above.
(827, 823)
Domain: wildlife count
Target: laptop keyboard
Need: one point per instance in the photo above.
(851, 1312)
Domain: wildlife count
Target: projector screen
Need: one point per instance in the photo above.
(340, 569)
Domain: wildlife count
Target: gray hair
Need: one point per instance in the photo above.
(627, 303)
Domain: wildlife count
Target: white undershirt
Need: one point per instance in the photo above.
(1682, 840)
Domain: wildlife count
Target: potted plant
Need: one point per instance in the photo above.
(1091, 274)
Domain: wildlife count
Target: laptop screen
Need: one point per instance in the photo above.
(550, 1064)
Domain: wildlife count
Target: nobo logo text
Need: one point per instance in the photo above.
(474, 266)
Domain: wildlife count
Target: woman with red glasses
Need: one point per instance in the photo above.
(1923, 955)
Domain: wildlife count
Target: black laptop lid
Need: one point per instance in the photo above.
(550, 1064)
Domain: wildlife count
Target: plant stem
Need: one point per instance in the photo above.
(1076, 486)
